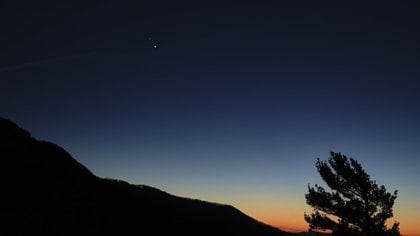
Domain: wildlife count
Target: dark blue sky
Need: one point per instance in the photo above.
(237, 99)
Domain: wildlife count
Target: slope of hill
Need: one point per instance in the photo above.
(47, 192)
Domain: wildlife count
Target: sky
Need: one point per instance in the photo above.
(229, 102)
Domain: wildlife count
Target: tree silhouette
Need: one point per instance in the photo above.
(356, 205)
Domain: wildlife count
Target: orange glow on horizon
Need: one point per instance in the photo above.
(293, 224)
(285, 210)
(293, 221)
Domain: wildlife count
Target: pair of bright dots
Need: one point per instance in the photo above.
(155, 45)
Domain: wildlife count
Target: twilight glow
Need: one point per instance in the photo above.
(229, 103)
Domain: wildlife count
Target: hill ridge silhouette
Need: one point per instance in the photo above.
(48, 192)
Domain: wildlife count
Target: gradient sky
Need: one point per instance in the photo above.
(229, 102)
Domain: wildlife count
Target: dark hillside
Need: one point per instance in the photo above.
(47, 192)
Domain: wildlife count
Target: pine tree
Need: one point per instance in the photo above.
(356, 205)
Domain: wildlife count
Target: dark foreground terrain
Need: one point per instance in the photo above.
(47, 192)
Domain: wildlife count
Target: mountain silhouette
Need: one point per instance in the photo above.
(47, 192)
